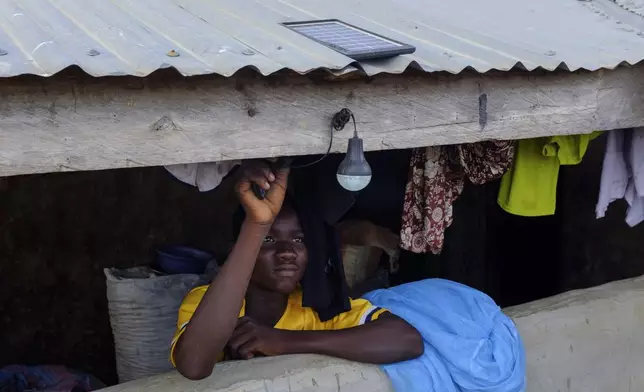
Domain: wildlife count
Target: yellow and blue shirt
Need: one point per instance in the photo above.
(295, 318)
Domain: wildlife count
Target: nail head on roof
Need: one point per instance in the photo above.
(172, 53)
(248, 52)
(550, 53)
(3, 52)
(93, 52)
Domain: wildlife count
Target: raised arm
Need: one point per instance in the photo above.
(214, 321)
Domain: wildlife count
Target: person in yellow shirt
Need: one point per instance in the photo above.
(254, 307)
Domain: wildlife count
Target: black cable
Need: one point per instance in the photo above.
(341, 118)
(339, 121)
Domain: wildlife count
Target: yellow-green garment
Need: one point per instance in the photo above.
(529, 188)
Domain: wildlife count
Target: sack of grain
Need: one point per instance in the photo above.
(143, 306)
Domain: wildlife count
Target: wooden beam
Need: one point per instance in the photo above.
(63, 123)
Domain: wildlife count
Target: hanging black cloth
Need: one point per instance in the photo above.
(324, 286)
(320, 202)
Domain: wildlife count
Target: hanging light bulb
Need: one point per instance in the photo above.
(354, 173)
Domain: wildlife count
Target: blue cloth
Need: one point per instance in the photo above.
(46, 378)
(470, 345)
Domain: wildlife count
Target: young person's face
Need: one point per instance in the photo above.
(282, 259)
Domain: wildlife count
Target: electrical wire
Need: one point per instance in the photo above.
(341, 118)
(338, 122)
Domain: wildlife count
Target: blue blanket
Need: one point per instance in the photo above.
(470, 345)
(46, 378)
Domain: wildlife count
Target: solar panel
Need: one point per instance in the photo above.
(351, 41)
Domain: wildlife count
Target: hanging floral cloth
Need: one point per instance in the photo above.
(436, 179)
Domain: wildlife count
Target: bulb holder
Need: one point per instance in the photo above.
(354, 173)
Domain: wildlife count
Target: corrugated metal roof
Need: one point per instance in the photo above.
(133, 37)
(635, 6)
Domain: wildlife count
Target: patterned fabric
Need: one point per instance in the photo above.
(436, 179)
(486, 161)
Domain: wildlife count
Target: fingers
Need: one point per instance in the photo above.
(278, 189)
(244, 324)
(244, 331)
(248, 349)
(260, 174)
(262, 207)
(236, 342)
(281, 176)
(243, 320)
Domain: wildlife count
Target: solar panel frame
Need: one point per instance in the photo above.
(396, 48)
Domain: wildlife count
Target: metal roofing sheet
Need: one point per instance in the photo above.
(635, 6)
(136, 37)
